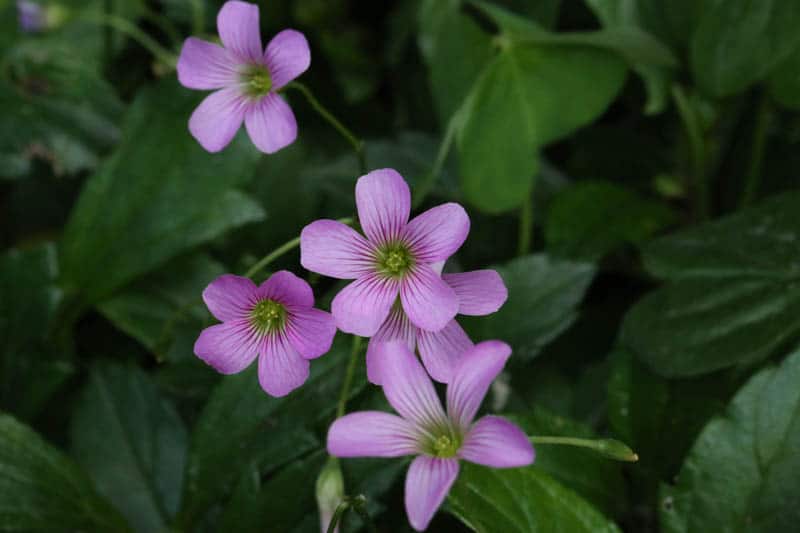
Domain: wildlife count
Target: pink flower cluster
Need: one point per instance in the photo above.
(398, 297)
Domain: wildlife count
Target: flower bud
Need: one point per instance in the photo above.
(330, 492)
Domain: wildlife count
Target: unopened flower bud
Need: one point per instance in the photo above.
(330, 492)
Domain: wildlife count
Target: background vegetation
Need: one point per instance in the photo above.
(630, 167)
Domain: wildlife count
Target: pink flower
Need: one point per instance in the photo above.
(480, 292)
(247, 77)
(438, 439)
(275, 322)
(398, 257)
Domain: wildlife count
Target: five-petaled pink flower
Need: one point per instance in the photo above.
(438, 439)
(398, 257)
(480, 292)
(275, 322)
(247, 77)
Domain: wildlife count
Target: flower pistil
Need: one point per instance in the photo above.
(268, 316)
(257, 81)
(394, 260)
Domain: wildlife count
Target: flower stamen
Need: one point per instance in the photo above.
(394, 260)
(257, 81)
(268, 316)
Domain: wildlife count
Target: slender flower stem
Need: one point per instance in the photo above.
(697, 145)
(426, 186)
(348, 377)
(610, 448)
(355, 142)
(281, 250)
(359, 505)
(525, 226)
(753, 176)
(135, 33)
(198, 16)
(338, 514)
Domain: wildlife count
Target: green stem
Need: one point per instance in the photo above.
(198, 16)
(610, 448)
(354, 141)
(348, 377)
(525, 226)
(697, 145)
(135, 33)
(753, 176)
(426, 186)
(281, 250)
(108, 35)
(337, 515)
(360, 506)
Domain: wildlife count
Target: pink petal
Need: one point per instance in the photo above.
(371, 434)
(217, 119)
(496, 442)
(428, 301)
(310, 331)
(288, 289)
(280, 368)
(361, 307)
(384, 203)
(229, 347)
(271, 123)
(440, 350)
(237, 23)
(230, 297)
(204, 65)
(472, 376)
(334, 249)
(408, 387)
(428, 482)
(396, 327)
(287, 56)
(480, 292)
(437, 233)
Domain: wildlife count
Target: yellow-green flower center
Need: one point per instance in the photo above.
(268, 316)
(445, 445)
(257, 81)
(394, 260)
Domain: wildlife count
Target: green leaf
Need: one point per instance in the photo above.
(643, 407)
(133, 444)
(58, 109)
(287, 501)
(591, 218)
(597, 479)
(231, 433)
(528, 97)
(738, 42)
(30, 370)
(520, 500)
(160, 190)
(456, 51)
(742, 472)
(155, 309)
(623, 15)
(784, 81)
(42, 489)
(630, 42)
(543, 296)
(734, 295)
(673, 21)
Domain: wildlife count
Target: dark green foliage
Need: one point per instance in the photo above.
(630, 168)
